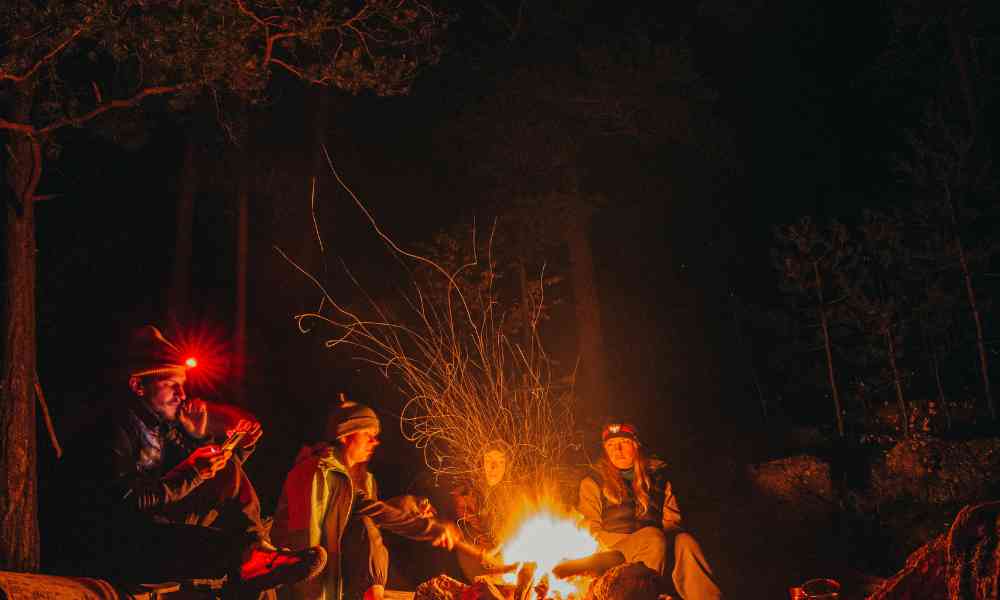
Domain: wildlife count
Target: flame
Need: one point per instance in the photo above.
(547, 538)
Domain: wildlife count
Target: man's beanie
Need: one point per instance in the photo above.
(348, 417)
(150, 353)
(619, 429)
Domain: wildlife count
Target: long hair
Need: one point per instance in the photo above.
(614, 483)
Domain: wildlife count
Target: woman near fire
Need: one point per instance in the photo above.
(629, 506)
(481, 505)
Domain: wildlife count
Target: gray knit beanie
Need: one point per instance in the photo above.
(348, 417)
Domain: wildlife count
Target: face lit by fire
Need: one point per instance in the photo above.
(621, 452)
(494, 467)
(163, 395)
(360, 445)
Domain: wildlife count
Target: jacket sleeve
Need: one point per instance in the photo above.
(591, 506)
(303, 505)
(143, 492)
(671, 510)
(401, 515)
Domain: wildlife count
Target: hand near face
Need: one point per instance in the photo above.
(193, 417)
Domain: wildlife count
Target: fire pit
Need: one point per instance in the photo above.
(557, 560)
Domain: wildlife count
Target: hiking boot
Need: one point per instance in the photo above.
(266, 568)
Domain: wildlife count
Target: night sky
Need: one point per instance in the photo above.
(811, 110)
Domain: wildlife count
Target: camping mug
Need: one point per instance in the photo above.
(816, 589)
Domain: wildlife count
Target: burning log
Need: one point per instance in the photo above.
(525, 577)
(489, 564)
(542, 589)
(593, 565)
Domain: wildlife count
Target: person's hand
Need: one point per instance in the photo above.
(193, 417)
(448, 538)
(253, 432)
(425, 509)
(208, 460)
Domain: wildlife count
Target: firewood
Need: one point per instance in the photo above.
(542, 589)
(525, 577)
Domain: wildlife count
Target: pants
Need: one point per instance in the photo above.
(364, 558)
(203, 536)
(692, 576)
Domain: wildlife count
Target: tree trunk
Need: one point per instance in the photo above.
(591, 378)
(891, 347)
(829, 350)
(179, 298)
(970, 291)
(957, 38)
(936, 367)
(19, 538)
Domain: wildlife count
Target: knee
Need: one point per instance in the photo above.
(651, 536)
(685, 543)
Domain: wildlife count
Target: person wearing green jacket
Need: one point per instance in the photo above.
(330, 499)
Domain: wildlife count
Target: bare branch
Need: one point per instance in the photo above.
(5, 76)
(113, 104)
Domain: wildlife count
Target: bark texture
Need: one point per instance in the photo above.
(962, 564)
(19, 538)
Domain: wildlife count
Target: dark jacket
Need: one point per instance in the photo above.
(147, 464)
(601, 515)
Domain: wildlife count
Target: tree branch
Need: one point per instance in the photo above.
(253, 16)
(299, 72)
(124, 103)
(5, 76)
(47, 418)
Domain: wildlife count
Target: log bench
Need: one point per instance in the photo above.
(36, 586)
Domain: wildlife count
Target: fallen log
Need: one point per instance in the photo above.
(18, 586)
(963, 564)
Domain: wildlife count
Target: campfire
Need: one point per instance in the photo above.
(547, 556)
(546, 539)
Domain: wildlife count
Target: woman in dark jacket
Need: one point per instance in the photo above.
(629, 505)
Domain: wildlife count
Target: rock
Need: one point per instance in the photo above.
(963, 564)
(631, 581)
(937, 471)
(801, 483)
(441, 587)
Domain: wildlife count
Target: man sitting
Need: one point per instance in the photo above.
(181, 507)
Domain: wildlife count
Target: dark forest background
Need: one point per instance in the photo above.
(792, 213)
